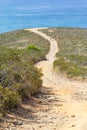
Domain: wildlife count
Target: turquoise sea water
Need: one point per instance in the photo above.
(19, 14)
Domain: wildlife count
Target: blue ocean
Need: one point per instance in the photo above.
(20, 14)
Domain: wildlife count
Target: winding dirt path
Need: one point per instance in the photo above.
(69, 108)
(63, 103)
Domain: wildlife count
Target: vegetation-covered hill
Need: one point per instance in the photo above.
(72, 55)
(19, 78)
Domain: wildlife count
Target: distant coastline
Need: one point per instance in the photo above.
(11, 30)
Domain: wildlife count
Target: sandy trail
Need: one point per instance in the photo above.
(64, 107)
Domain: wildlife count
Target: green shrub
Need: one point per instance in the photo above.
(70, 68)
(18, 77)
(33, 47)
(8, 99)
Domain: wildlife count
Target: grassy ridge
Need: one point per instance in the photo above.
(19, 78)
(72, 56)
(22, 39)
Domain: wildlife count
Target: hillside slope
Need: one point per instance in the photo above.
(72, 55)
(62, 104)
(19, 78)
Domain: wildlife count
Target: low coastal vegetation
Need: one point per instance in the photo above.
(19, 78)
(72, 56)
